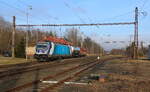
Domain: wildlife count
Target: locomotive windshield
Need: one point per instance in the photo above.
(43, 45)
(40, 46)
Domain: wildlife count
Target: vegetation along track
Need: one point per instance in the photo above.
(16, 65)
(80, 68)
(22, 68)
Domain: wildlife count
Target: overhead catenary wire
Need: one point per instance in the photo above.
(23, 3)
(11, 6)
(79, 16)
(90, 20)
(144, 3)
(120, 15)
(19, 10)
(142, 11)
(121, 23)
(47, 15)
(68, 6)
(9, 16)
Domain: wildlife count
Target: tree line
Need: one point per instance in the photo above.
(72, 35)
(129, 51)
(142, 51)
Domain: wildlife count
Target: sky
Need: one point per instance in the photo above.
(84, 11)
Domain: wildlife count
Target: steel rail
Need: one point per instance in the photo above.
(29, 69)
(27, 85)
(48, 77)
(68, 78)
(47, 89)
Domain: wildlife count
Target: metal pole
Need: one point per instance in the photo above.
(82, 40)
(142, 48)
(28, 28)
(136, 34)
(13, 36)
(130, 47)
(96, 24)
(37, 36)
(27, 38)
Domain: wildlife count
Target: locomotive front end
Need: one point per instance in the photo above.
(42, 51)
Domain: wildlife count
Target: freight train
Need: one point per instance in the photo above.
(48, 50)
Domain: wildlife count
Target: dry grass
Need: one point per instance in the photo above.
(9, 60)
(124, 76)
(121, 76)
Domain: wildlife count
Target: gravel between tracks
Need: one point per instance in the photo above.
(13, 81)
(120, 75)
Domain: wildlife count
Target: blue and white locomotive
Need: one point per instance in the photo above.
(49, 50)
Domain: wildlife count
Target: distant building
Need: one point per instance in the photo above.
(31, 51)
(117, 52)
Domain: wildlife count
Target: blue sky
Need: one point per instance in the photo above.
(84, 11)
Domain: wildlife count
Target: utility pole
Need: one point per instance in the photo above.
(142, 48)
(28, 28)
(37, 36)
(136, 34)
(27, 36)
(130, 47)
(82, 39)
(13, 37)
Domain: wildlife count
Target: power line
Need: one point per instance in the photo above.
(144, 3)
(19, 10)
(85, 15)
(120, 15)
(78, 15)
(48, 15)
(68, 6)
(141, 3)
(23, 3)
(142, 12)
(111, 18)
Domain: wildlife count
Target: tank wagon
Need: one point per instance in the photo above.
(52, 49)
(78, 52)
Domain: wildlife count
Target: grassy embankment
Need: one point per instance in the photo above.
(9, 60)
(124, 76)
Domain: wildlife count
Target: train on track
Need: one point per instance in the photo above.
(49, 49)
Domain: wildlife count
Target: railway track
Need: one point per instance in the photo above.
(62, 76)
(16, 65)
(33, 62)
(23, 68)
